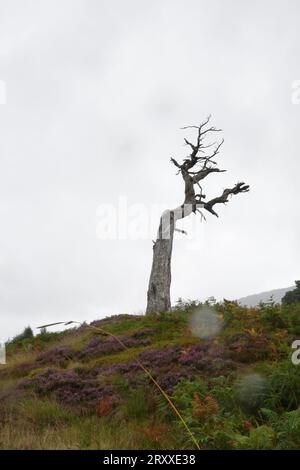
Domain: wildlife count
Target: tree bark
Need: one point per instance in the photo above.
(158, 296)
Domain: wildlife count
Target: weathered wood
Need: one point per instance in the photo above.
(160, 279)
(158, 296)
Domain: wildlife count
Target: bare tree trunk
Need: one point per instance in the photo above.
(158, 296)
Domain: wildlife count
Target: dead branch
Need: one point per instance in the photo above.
(197, 166)
(238, 188)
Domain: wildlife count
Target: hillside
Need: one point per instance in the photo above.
(255, 299)
(227, 369)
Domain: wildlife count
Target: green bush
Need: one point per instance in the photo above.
(272, 316)
(283, 387)
(292, 296)
(137, 405)
(25, 335)
(184, 392)
(260, 438)
(288, 430)
(290, 314)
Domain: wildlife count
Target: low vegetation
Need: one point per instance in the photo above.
(226, 368)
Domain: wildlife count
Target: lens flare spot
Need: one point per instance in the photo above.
(251, 390)
(206, 323)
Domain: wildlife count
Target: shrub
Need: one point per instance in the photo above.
(291, 315)
(292, 296)
(186, 305)
(288, 430)
(206, 356)
(249, 346)
(283, 387)
(99, 346)
(56, 356)
(170, 379)
(185, 391)
(26, 336)
(260, 438)
(160, 356)
(204, 407)
(272, 315)
(136, 405)
(69, 388)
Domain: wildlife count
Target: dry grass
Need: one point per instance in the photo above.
(44, 424)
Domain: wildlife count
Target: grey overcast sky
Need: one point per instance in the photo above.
(96, 93)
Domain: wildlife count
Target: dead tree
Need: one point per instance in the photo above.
(198, 165)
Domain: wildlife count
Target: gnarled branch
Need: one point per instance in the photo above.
(198, 154)
(207, 164)
(238, 188)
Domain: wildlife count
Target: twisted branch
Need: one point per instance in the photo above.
(207, 164)
(238, 188)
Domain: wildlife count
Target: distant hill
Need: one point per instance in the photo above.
(255, 299)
